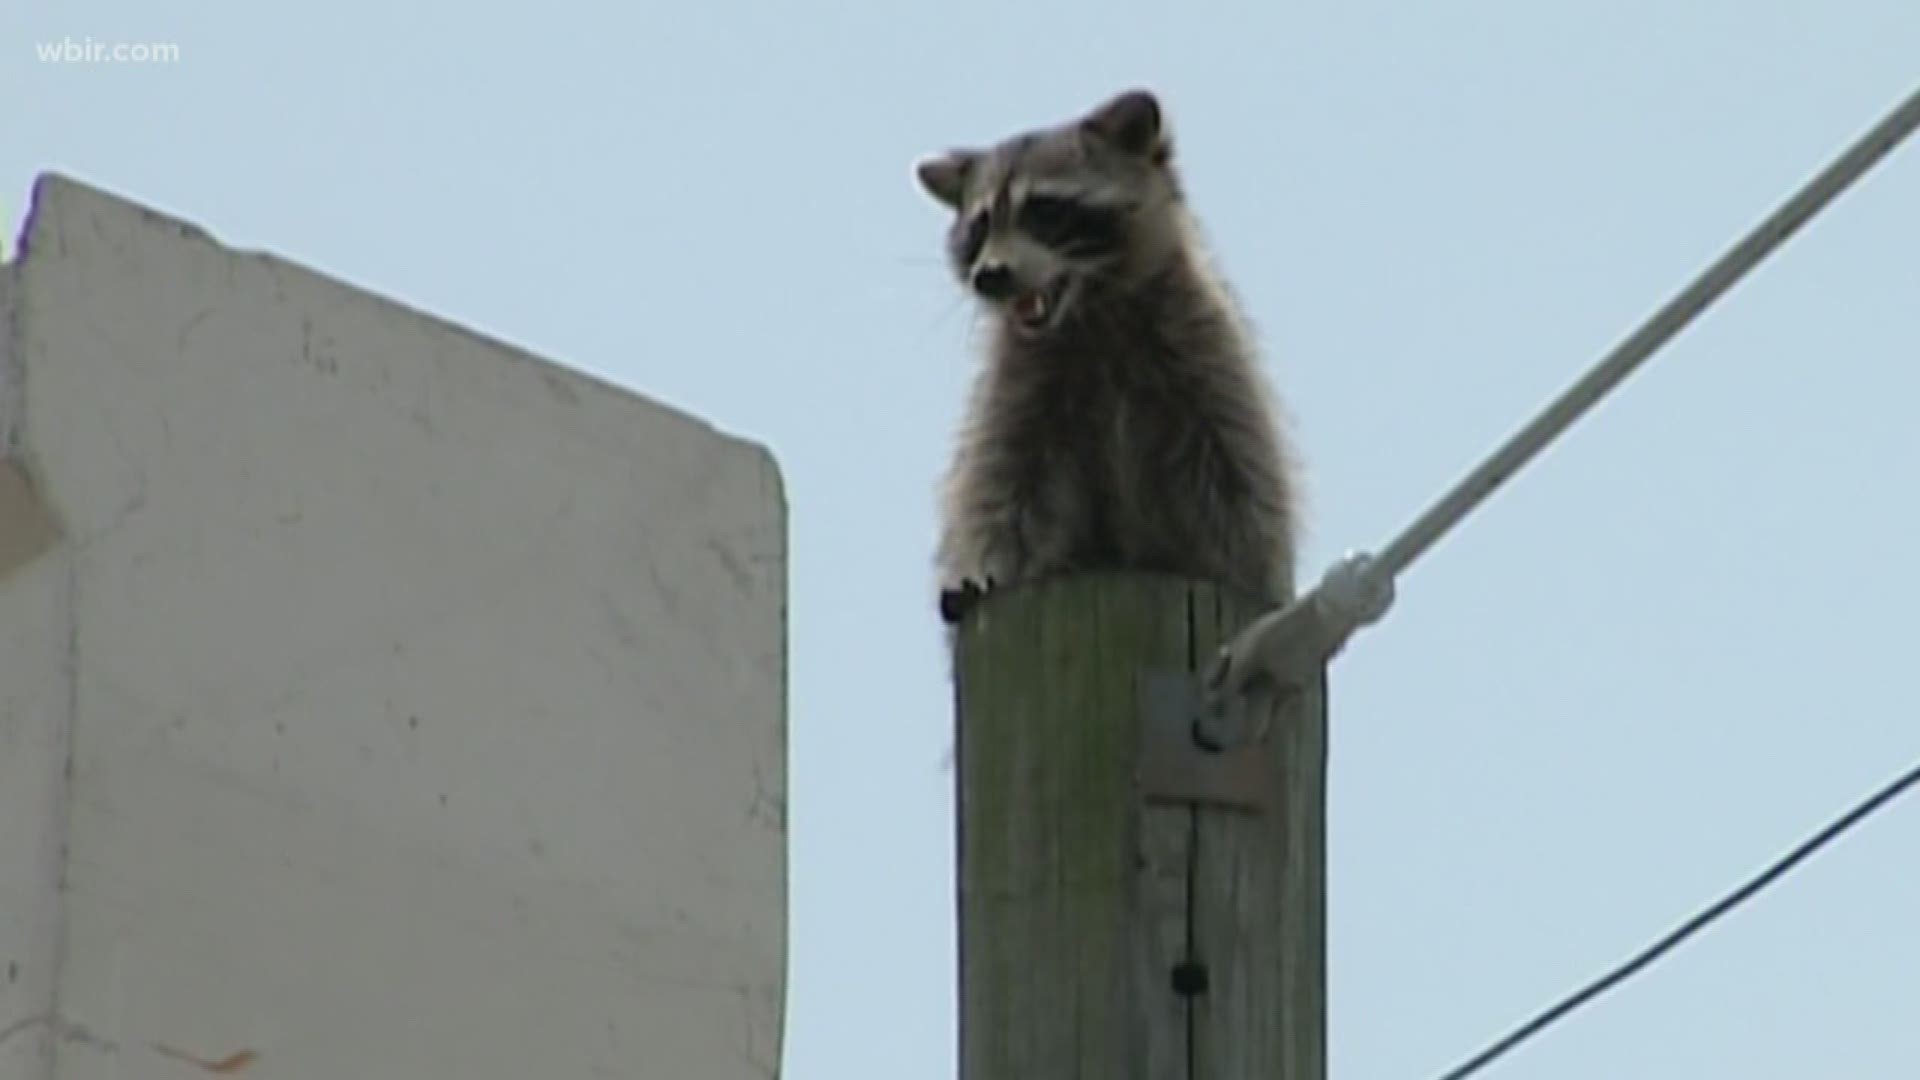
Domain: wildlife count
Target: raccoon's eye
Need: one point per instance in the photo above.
(1043, 212)
(1044, 215)
(974, 238)
(1071, 227)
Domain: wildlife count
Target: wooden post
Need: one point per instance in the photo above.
(1103, 932)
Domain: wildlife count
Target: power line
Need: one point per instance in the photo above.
(1357, 590)
(1687, 929)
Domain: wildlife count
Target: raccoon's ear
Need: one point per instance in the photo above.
(944, 176)
(1133, 123)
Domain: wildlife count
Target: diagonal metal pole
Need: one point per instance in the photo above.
(1289, 644)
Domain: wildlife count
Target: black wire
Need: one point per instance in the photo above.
(1688, 928)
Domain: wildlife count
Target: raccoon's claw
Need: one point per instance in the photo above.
(956, 602)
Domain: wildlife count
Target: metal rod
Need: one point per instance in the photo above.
(1358, 590)
(1447, 512)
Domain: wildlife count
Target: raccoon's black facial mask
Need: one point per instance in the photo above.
(1078, 236)
(1073, 229)
(1022, 256)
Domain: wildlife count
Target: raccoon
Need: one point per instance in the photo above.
(1120, 421)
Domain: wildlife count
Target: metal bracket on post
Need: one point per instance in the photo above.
(1285, 646)
(1173, 766)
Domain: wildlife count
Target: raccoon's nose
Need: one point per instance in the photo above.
(995, 282)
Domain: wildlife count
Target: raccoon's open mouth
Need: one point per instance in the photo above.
(1035, 309)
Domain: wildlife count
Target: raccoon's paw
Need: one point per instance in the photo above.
(956, 602)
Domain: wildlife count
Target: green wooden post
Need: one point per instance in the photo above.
(1102, 932)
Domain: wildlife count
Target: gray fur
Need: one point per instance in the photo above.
(1130, 428)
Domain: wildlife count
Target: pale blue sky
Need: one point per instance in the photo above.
(1669, 650)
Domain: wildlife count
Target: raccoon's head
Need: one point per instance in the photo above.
(1048, 216)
